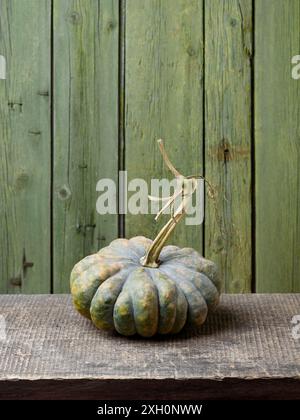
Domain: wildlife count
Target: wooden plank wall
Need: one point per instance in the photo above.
(91, 84)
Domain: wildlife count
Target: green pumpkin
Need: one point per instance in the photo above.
(140, 286)
(117, 291)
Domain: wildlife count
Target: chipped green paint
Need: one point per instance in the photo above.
(25, 144)
(125, 73)
(115, 291)
(86, 37)
(228, 50)
(277, 137)
(163, 98)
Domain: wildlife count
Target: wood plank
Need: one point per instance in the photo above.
(163, 99)
(48, 343)
(25, 147)
(228, 50)
(277, 122)
(85, 128)
(150, 389)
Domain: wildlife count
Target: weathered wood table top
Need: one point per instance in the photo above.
(246, 349)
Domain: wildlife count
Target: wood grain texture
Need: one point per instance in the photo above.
(54, 341)
(173, 54)
(277, 135)
(85, 128)
(228, 50)
(25, 147)
(163, 99)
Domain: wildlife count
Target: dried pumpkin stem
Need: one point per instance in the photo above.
(151, 259)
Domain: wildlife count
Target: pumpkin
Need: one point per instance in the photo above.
(141, 286)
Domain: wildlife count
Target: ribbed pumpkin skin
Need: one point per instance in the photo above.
(115, 291)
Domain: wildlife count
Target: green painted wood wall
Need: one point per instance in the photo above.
(90, 86)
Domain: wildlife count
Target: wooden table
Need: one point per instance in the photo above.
(246, 349)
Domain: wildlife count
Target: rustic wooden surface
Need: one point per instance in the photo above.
(277, 121)
(85, 128)
(163, 99)
(246, 349)
(228, 57)
(25, 158)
